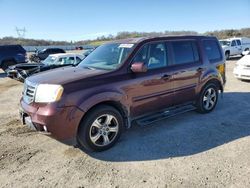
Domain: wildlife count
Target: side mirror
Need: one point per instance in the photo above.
(139, 67)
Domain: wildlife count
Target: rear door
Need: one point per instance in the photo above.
(239, 46)
(151, 91)
(187, 68)
(234, 48)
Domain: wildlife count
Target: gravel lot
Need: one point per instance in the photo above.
(190, 150)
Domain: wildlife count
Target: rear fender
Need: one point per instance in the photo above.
(212, 76)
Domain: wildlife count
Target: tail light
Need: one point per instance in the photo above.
(222, 70)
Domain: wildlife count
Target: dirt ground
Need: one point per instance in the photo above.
(190, 150)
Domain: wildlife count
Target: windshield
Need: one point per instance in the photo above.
(59, 61)
(49, 60)
(107, 56)
(224, 43)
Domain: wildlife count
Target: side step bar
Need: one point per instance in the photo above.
(169, 112)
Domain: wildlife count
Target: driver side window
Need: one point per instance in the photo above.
(153, 55)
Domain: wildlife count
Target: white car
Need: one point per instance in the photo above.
(242, 68)
(21, 71)
(63, 59)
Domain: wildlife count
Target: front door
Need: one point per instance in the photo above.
(151, 91)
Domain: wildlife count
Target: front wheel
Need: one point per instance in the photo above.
(100, 129)
(208, 98)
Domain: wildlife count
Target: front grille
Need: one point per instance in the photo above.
(29, 92)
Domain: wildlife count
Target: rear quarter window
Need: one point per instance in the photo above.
(212, 50)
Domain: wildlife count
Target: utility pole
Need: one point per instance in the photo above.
(21, 32)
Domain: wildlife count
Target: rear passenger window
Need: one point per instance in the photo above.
(238, 42)
(212, 50)
(185, 52)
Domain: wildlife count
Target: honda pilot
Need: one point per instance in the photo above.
(140, 80)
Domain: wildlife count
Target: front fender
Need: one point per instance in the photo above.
(109, 96)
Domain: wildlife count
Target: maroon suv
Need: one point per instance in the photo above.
(141, 80)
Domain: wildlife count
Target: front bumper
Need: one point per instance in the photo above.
(60, 123)
(241, 73)
(14, 74)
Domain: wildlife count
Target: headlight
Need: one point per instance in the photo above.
(48, 93)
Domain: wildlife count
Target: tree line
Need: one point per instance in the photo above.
(220, 34)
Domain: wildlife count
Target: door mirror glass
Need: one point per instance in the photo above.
(138, 67)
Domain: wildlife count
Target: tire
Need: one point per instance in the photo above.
(227, 55)
(100, 129)
(208, 99)
(6, 64)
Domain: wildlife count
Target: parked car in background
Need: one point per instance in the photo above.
(235, 46)
(242, 67)
(79, 48)
(21, 71)
(41, 55)
(11, 55)
(141, 79)
(88, 51)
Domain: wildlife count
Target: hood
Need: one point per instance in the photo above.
(26, 66)
(244, 60)
(224, 46)
(64, 75)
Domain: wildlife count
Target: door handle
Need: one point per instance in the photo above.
(166, 77)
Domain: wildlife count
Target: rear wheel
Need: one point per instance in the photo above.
(208, 98)
(100, 129)
(227, 55)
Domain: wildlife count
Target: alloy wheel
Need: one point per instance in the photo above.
(104, 130)
(209, 98)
